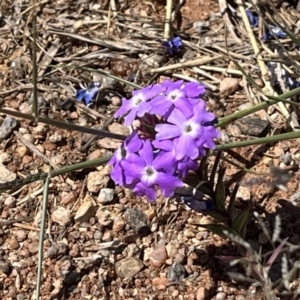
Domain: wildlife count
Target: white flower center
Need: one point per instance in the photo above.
(174, 95)
(149, 174)
(137, 99)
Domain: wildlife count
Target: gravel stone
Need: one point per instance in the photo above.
(61, 216)
(176, 272)
(7, 127)
(137, 220)
(253, 126)
(158, 257)
(128, 267)
(106, 196)
(5, 267)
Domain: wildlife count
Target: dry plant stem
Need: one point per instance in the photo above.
(190, 79)
(41, 237)
(202, 72)
(221, 70)
(252, 38)
(174, 13)
(227, 21)
(190, 63)
(168, 20)
(34, 60)
(261, 63)
(32, 195)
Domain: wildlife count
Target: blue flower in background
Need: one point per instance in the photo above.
(253, 18)
(173, 45)
(197, 205)
(274, 31)
(87, 95)
(271, 32)
(292, 84)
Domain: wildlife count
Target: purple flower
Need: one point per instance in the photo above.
(193, 89)
(186, 132)
(139, 104)
(167, 157)
(175, 130)
(176, 95)
(185, 165)
(127, 151)
(148, 174)
(89, 93)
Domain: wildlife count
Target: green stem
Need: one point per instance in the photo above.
(272, 100)
(264, 140)
(79, 166)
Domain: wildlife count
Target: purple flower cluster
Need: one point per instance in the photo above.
(175, 131)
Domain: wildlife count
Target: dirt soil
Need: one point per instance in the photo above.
(101, 241)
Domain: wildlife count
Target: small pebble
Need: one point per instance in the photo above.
(107, 236)
(13, 243)
(118, 223)
(171, 250)
(286, 158)
(5, 267)
(253, 126)
(201, 293)
(229, 85)
(33, 247)
(106, 196)
(221, 296)
(128, 267)
(61, 216)
(5, 158)
(96, 181)
(85, 211)
(116, 101)
(158, 257)
(137, 220)
(55, 138)
(176, 272)
(7, 127)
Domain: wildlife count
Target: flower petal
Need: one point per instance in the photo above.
(165, 160)
(168, 183)
(186, 146)
(141, 190)
(167, 131)
(146, 153)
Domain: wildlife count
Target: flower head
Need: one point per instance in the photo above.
(128, 151)
(187, 132)
(173, 45)
(175, 130)
(148, 174)
(88, 94)
(177, 95)
(138, 105)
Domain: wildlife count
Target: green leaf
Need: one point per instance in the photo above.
(230, 208)
(220, 196)
(219, 229)
(221, 216)
(193, 181)
(202, 171)
(214, 169)
(240, 222)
